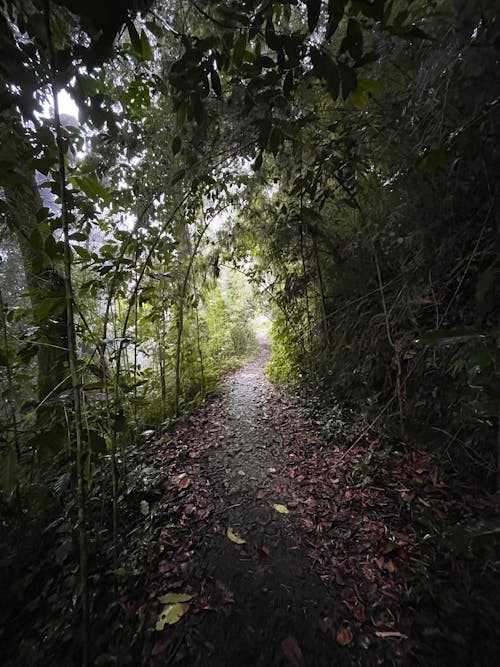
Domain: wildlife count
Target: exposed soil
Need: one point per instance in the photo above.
(315, 586)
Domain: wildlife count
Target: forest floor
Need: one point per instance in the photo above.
(292, 551)
(254, 534)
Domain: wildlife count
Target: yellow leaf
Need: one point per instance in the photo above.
(282, 509)
(234, 537)
(172, 598)
(389, 566)
(170, 614)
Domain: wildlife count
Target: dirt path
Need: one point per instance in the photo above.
(285, 596)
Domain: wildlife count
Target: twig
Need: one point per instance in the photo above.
(366, 430)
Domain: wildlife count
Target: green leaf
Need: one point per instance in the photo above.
(332, 81)
(335, 13)
(372, 10)
(170, 615)
(176, 144)
(313, 12)
(275, 139)
(272, 40)
(239, 49)
(288, 84)
(92, 188)
(348, 78)
(354, 39)
(179, 175)
(146, 50)
(432, 160)
(216, 84)
(96, 442)
(78, 236)
(173, 598)
(83, 253)
(134, 37)
(199, 110)
(50, 306)
(209, 180)
(234, 537)
(257, 163)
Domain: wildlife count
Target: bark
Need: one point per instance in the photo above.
(44, 283)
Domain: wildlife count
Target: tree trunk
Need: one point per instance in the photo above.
(44, 283)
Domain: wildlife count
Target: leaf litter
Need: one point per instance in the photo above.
(331, 579)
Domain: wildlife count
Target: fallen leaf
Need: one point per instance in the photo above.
(241, 473)
(282, 509)
(170, 614)
(159, 648)
(260, 494)
(172, 598)
(291, 651)
(392, 634)
(265, 550)
(407, 497)
(234, 537)
(183, 481)
(272, 470)
(389, 566)
(344, 634)
(193, 455)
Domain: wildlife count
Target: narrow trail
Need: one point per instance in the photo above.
(285, 596)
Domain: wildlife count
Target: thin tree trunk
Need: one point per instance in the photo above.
(198, 340)
(180, 317)
(10, 399)
(72, 353)
(306, 294)
(322, 292)
(397, 356)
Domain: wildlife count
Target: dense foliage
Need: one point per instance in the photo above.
(332, 163)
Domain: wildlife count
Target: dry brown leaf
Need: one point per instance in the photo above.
(183, 481)
(291, 651)
(260, 494)
(344, 634)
